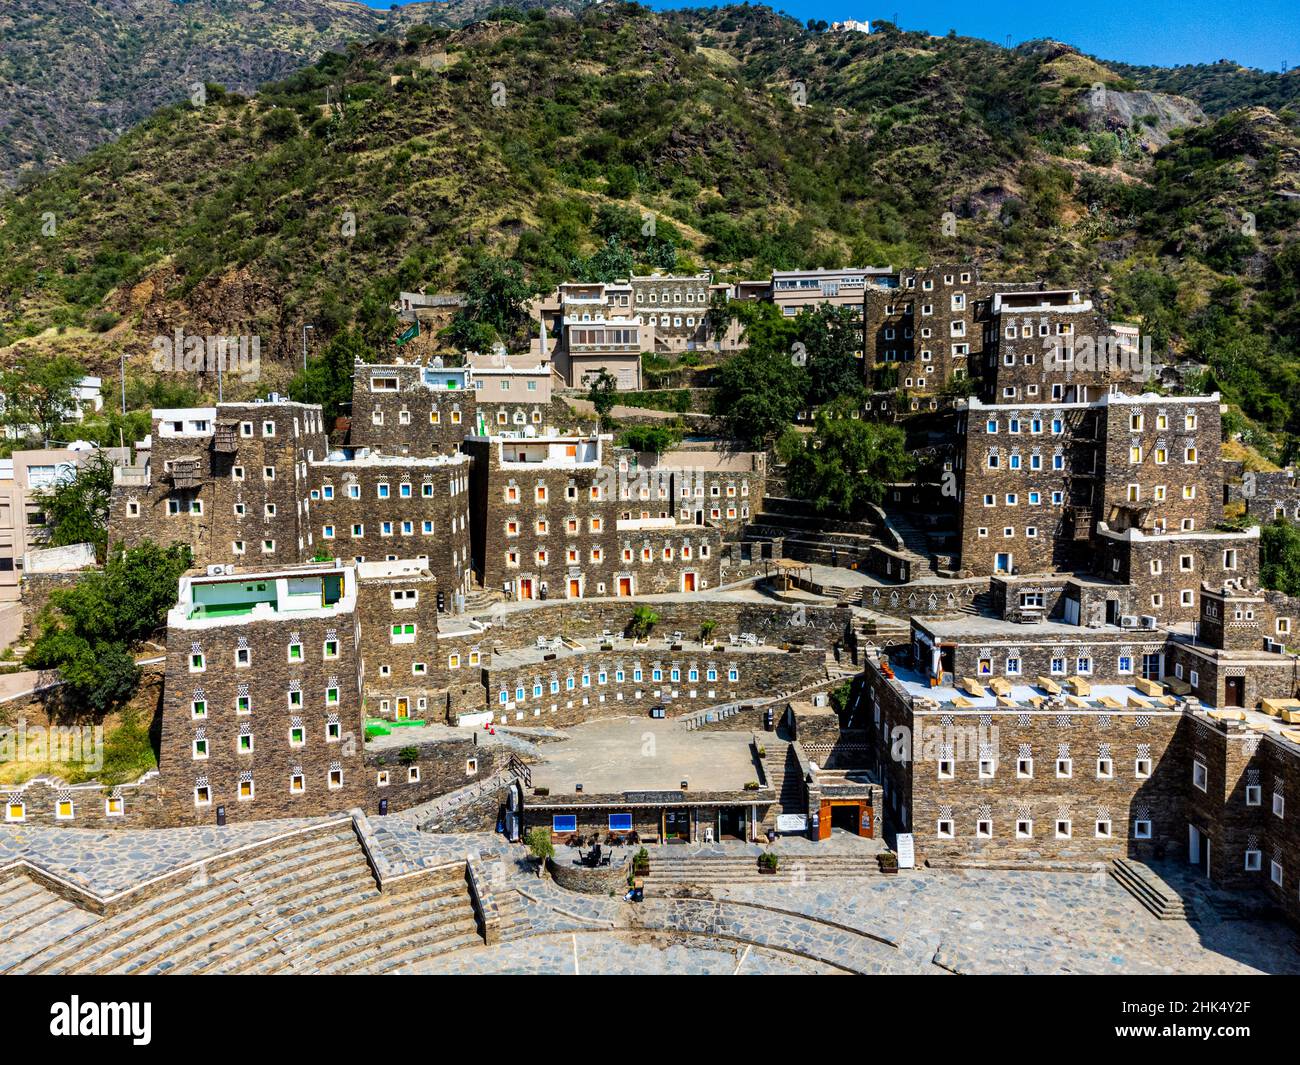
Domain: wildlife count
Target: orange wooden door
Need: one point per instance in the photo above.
(824, 821)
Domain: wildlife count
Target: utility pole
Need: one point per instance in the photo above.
(124, 382)
(304, 343)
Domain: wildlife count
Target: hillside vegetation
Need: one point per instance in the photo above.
(733, 139)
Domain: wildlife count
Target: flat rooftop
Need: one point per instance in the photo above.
(917, 686)
(972, 627)
(648, 649)
(643, 754)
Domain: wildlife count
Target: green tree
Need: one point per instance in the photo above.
(38, 392)
(88, 631)
(653, 438)
(830, 338)
(1279, 557)
(77, 510)
(847, 463)
(496, 293)
(327, 380)
(758, 391)
(644, 619)
(603, 394)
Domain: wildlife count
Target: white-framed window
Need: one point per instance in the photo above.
(945, 769)
(413, 774)
(1025, 768)
(1254, 861)
(1142, 829)
(1200, 777)
(984, 829)
(1254, 795)
(943, 829)
(988, 769)
(1142, 768)
(1279, 805)
(1275, 872)
(1105, 769)
(1103, 828)
(1024, 828)
(1064, 830)
(1064, 768)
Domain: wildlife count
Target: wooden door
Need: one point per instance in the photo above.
(824, 820)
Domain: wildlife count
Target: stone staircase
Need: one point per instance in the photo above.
(809, 538)
(980, 604)
(1150, 890)
(782, 771)
(309, 905)
(918, 546)
(479, 600)
(668, 871)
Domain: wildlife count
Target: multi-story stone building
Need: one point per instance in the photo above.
(718, 488)
(1041, 346)
(411, 409)
(1054, 487)
(511, 393)
(232, 481)
(562, 519)
(372, 507)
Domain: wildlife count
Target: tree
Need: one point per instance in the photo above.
(39, 392)
(77, 510)
(757, 393)
(539, 843)
(603, 396)
(327, 380)
(88, 630)
(830, 338)
(1279, 557)
(496, 292)
(644, 619)
(847, 463)
(653, 438)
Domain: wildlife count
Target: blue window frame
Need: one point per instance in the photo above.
(564, 823)
(620, 822)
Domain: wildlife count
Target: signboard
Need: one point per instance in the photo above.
(792, 822)
(906, 853)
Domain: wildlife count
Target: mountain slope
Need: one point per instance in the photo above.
(752, 143)
(75, 73)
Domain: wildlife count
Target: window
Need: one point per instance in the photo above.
(945, 769)
(335, 779)
(1063, 829)
(984, 829)
(1024, 768)
(197, 663)
(403, 633)
(1142, 768)
(1105, 769)
(246, 791)
(1024, 829)
(413, 774)
(943, 829)
(1064, 767)
(564, 823)
(1200, 776)
(202, 795)
(1279, 805)
(1254, 794)
(1275, 872)
(1254, 861)
(1103, 828)
(988, 768)
(1142, 829)
(297, 784)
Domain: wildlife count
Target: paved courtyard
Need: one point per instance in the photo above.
(919, 922)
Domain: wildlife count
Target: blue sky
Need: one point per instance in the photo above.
(1259, 33)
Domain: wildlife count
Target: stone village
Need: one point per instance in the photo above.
(475, 620)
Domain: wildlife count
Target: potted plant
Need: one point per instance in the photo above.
(751, 785)
(768, 862)
(641, 863)
(888, 862)
(762, 752)
(643, 620)
(707, 628)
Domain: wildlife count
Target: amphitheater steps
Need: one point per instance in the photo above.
(31, 917)
(325, 945)
(709, 871)
(329, 878)
(90, 946)
(1152, 892)
(270, 924)
(422, 939)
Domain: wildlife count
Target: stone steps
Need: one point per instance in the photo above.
(337, 877)
(1149, 890)
(93, 942)
(410, 919)
(266, 929)
(410, 950)
(721, 871)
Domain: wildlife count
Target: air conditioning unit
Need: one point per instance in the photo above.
(216, 571)
(1128, 621)
(229, 568)
(1148, 621)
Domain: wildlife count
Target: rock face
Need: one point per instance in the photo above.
(1161, 113)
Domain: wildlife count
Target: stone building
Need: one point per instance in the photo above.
(562, 519)
(372, 506)
(411, 409)
(232, 481)
(1041, 346)
(718, 488)
(678, 308)
(512, 393)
